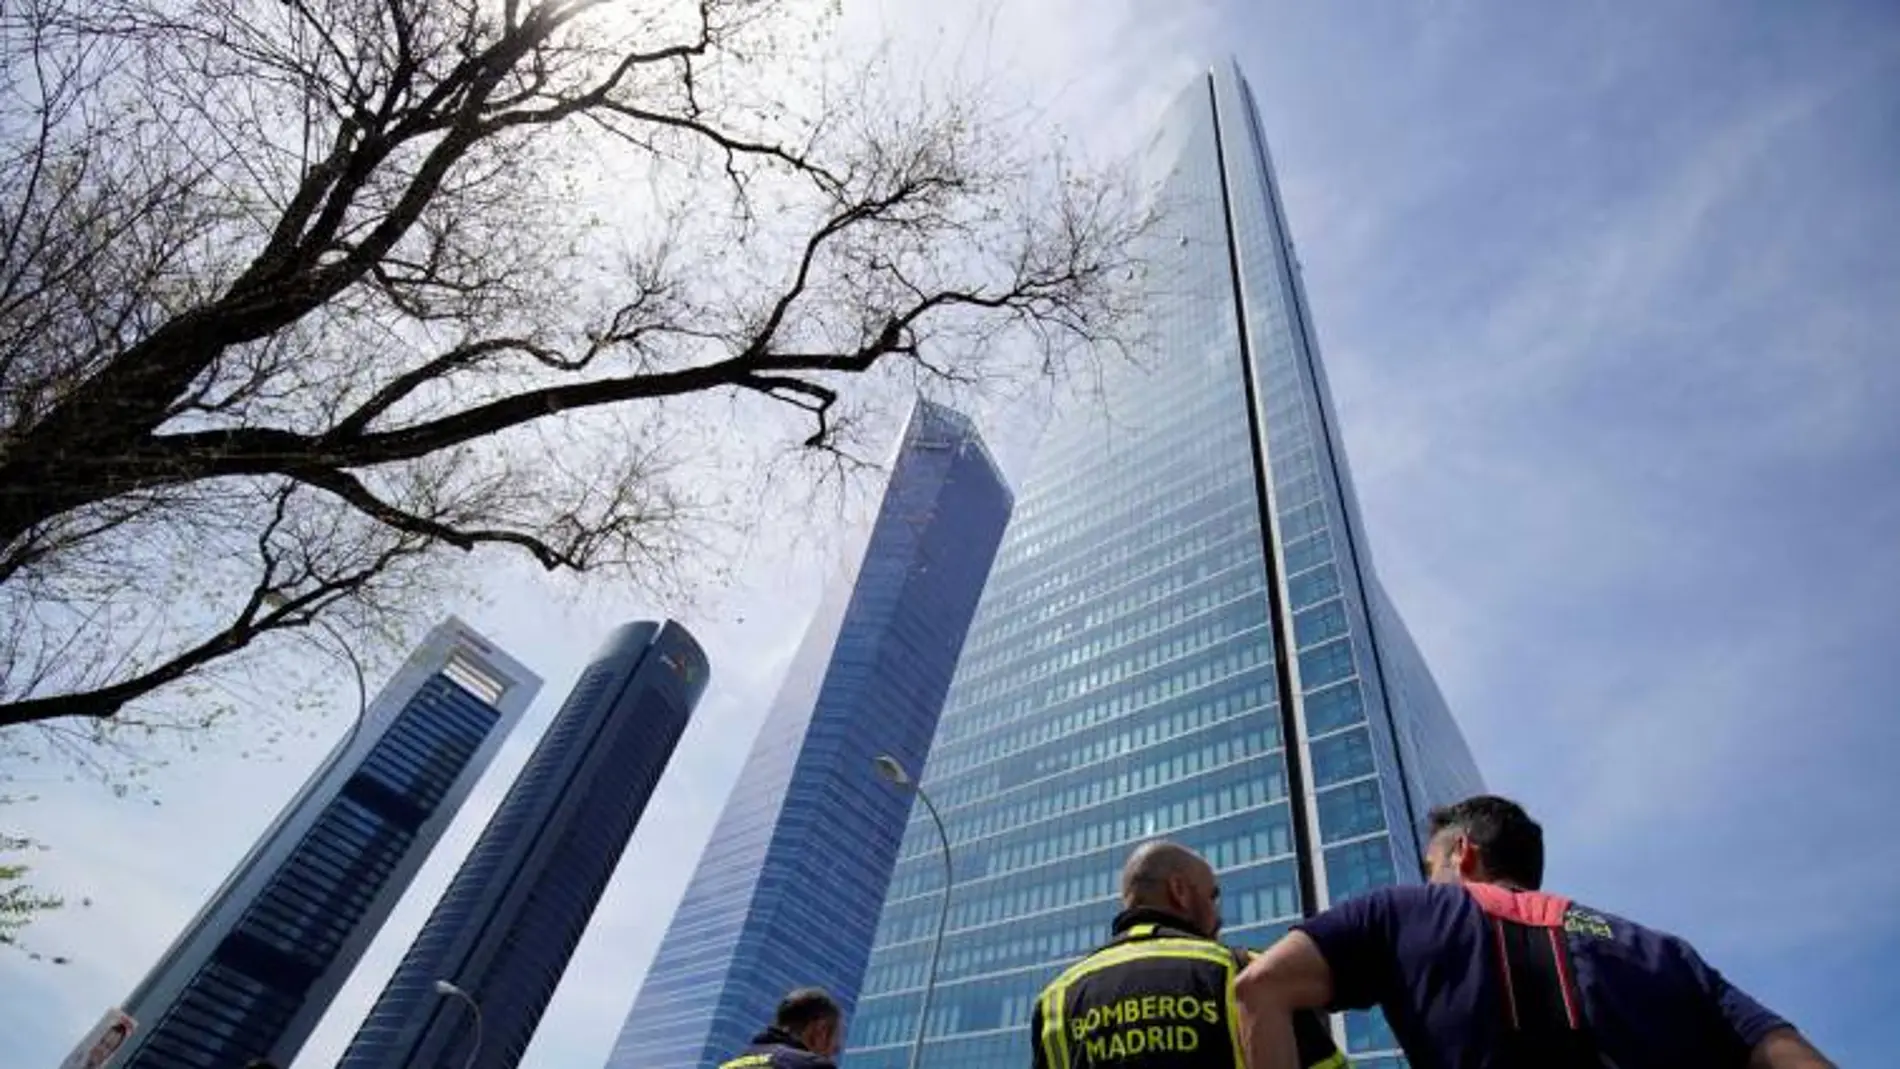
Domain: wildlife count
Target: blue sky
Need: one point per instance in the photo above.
(1608, 295)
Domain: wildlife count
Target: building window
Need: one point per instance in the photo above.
(1355, 809)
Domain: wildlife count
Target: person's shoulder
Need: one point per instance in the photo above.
(1087, 963)
(1582, 918)
(1656, 948)
(1386, 911)
(792, 1058)
(1404, 900)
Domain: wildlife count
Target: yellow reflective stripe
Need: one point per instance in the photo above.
(1233, 1017)
(1140, 930)
(1055, 1034)
(1055, 1037)
(1196, 949)
(746, 1060)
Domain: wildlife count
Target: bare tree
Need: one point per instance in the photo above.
(297, 294)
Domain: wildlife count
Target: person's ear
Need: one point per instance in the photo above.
(1468, 858)
(1180, 892)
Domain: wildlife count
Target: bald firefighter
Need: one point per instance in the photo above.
(1160, 994)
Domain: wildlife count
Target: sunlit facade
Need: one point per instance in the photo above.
(788, 891)
(1184, 587)
(262, 961)
(506, 927)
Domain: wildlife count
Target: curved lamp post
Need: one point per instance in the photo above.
(362, 685)
(889, 768)
(449, 990)
(356, 666)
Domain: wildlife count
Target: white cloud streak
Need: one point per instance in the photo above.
(1629, 480)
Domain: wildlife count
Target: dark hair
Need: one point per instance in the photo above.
(804, 1007)
(260, 1063)
(1509, 842)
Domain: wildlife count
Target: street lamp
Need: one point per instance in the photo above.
(889, 768)
(449, 990)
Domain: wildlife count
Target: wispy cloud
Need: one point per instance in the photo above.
(1608, 299)
(1608, 304)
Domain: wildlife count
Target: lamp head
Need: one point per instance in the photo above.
(888, 768)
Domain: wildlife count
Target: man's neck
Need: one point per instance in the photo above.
(1162, 915)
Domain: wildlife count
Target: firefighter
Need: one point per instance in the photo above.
(1159, 995)
(806, 1033)
(1480, 968)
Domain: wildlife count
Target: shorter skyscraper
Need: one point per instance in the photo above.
(788, 890)
(260, 963)
(481, 972)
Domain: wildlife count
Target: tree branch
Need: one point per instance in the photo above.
(350, 489)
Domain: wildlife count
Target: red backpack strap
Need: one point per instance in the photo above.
(1542, 1006)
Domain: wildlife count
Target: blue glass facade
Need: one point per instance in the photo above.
(261, 963)
(509, 921)
(1184, 590)
(789, 888)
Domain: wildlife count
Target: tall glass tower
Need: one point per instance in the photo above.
(788, 891)
(255, 970)
(504, 930)
(1182, 637)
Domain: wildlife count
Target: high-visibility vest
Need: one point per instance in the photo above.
(1156, 998)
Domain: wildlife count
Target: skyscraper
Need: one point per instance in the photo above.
(504, 930)
(260, 963)
(788, 890)
(1184, 589)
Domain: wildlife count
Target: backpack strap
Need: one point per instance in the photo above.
(1540, 987)
(1541, 1004)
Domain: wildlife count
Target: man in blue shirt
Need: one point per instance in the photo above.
(1478, 969)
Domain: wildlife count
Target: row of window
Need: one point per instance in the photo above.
(1305, 588)
(1151, 463)
(1112, 508)
(188, 1037)
(1138, 774)
(1236, 843)
(1202, 672)
(1236, 621)
(1302, 515)
(1193, 670)
(1198, 535)
(1240, 694)
(1019, 637)
(1221, 792)
(1029, 762)
(1238, 741)
(1103, 598)
(1232, 605)
(1084, 450)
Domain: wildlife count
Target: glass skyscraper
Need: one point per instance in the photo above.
(788, 890)
(505, 928)
(259, 965)
(1182, 638)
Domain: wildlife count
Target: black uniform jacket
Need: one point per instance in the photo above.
(1159, 995)
(775, 1048)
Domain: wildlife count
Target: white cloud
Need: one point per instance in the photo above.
(1103, 70)
(1625, 622)
(1624, 443)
